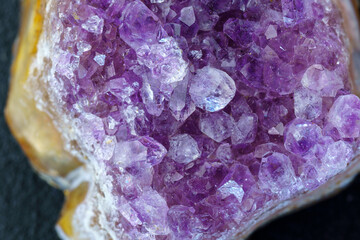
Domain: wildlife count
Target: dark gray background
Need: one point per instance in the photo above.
(29, 207)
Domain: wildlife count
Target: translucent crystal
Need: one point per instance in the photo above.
(232, 188)
(217, 126)
(245, 129)
(94, 24)
(192, 119)
(318, 78)
(223, 152)
(277, 174)
(307, 104)
(301, 135)
(344, 116)
(183, 149)
(337, 156)
(212, 89)
(100, 59)
(152, 210)
(187, 16)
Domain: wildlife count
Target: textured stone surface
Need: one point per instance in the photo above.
(195, 118)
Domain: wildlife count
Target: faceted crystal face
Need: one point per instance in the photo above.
(212, 89)
(277, 174)
(183, 149)
(194, 118)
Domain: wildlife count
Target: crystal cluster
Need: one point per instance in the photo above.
(198, 116)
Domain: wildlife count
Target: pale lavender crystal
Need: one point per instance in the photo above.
(177, 100)
(120, 88)
(344, 115)
(152, 210)
(271, 32)
(320, 79)
(224, 153)
(277, 174)
(139, 25)
(182, 221)
(245, 129)
(217, 126)
(128, 212)
(94, 24)
(337, 156)
(187, 16)
(180, 103)
(300, 136)
(199, 116)
(143, 149)
(212, 89)
(232, 188)
(153, 100)
(239, 107)
(164, 59)
(307, 104)
(183, 149)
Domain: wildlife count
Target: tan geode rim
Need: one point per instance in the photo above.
(32, 128)
(42, 142)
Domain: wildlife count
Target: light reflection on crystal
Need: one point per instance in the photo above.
(199, 115)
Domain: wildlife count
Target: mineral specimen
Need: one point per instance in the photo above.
(191, 119)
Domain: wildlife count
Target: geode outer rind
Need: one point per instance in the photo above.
(21, 102)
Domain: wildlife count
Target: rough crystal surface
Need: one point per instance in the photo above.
(196, 117)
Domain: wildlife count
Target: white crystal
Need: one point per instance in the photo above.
(94, 24)
(271, 32)
(100, 59)
(278, 130)
(217, 126)
(183, 149)
(187, 16)
(212, 89)
(307, 104)
(232, 188)
(337, 156)
(83, 47)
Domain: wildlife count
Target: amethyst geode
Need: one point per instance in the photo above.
(196, 117)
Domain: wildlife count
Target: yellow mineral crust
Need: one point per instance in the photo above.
(32, 128)
(73, 199)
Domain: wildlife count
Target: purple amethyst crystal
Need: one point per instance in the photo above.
(197, 117)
